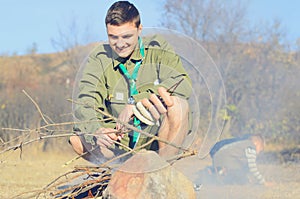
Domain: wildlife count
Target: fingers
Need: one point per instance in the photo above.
(149, 110)
(142, 117)
(104, 140)
(106, 137)
(113, 135)
(125, 116)
(144, 111)
(155, 114)
(165, 95)
(158, 104)
(143, 114)
(162, 101)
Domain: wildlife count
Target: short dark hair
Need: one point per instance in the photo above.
(122, 12)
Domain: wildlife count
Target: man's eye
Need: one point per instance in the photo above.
(126, 36)
(113, 37)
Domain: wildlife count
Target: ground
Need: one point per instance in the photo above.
(285, 180)
(37, 169)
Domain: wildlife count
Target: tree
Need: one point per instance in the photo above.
(252, 58)
(74, 43)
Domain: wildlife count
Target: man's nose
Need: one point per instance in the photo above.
(120, 43)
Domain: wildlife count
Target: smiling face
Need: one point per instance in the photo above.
(123, 39)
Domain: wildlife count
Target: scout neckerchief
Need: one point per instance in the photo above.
(133, 90)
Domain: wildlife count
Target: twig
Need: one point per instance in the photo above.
(34, 140)
(36, 106)
(1, 140)
(129, 152)
(183, 155)
(33, 193)
(85, 186)
(41, 135)
(172, 89)
(74, 159)
(55, 125)
(101, 173)
(12, 140)
(52, 183)
(142, 132)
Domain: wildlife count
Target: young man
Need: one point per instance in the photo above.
(234, 161)
(126, 78)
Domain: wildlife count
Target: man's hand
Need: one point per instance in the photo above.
(175, 122)
(125, 116)
(143, 114)
(174, 113)
(106, 137)
(150, 110)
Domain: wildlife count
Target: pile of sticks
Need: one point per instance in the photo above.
(82, 182)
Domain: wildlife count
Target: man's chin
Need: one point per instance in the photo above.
(123, 54)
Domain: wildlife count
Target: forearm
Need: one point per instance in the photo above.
(174, 127)
(257, 175)
(251, 157)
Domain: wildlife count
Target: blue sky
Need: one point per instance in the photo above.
(287, 11)
(24, 23)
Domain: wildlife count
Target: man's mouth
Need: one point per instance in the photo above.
(121, 50)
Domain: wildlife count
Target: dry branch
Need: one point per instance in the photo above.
(93, 179)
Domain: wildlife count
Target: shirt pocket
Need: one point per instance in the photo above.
(116, 102)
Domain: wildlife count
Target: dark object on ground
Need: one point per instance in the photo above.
(85, 182)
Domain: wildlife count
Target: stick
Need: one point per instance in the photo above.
(36, 106)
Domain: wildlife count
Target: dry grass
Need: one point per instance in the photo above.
(36, 170)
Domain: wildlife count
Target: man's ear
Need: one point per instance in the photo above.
(140, 28)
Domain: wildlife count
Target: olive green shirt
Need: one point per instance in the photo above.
(104, 87)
